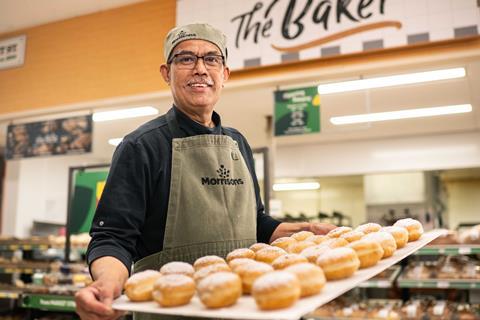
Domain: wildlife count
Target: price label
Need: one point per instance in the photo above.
(443, 284)
(441, 250)
(383, 284)
(464, 250)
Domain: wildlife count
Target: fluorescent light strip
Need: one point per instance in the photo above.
(115, 141)
(296, 186)
(124, 113)
(390, 81)
(402, 114)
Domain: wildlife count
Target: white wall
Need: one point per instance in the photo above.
(463, 202)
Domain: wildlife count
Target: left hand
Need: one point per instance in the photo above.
(321, 228)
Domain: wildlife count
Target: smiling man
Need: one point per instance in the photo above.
(181, 186)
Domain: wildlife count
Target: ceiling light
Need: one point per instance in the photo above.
(124, 113)
(401, 114)
(389, 81)
(296, 186)
(115, 141)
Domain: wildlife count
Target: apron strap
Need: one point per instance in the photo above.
(175, 128)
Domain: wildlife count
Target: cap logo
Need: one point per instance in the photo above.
(182, 35)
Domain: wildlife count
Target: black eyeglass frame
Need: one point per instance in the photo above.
(197, 57)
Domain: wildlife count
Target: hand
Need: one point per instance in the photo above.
(95, 302)
(321, 228)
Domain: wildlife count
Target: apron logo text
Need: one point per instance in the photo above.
(224, 178)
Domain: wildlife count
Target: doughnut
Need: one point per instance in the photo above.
(414, 228)
(240, 253)
(269, 254)
(220, 289)
(276, 290)
(206, 261)
(257, 246)
(399, 234)
(177, 267)
(207, 270)
(139, 286)
(335, 243)
(318, 239)
(369, 252)
(283, 242)
(338, 231)
(299, 246)
(173, 290)
(311, 278)
(250, 272)
(302, 235)
(287, 260)
(339, 263)
(369, 227)
(352, 235)
(312, 253)
(385, 239)
(235, 263)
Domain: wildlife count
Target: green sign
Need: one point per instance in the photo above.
(297, 111)
(48, 302)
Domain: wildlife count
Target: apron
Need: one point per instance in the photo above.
(212, 204)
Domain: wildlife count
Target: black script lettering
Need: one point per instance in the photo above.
(362, 5)
(382, 6)
(343, 10)
(266, 28)
(325, 13)
(288, 16)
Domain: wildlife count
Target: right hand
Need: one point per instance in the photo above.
(95, 301)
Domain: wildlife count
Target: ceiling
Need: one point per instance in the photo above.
(20, 14)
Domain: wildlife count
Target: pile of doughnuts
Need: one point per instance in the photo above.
(275, 275)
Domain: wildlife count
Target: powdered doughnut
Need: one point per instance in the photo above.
(269, 254)
(206, 261)
(352, 235)
(177, 267)
(173, 290)
(240, 253)
(235, 263)
(250, 272)
(386, 240)
(276, 290)
(283, 242)
(337, 232)
(220, 289)
(318, 239)
(287, 260)
(312, 253)
(339, 263)
(139, 286)
(302, 235)
(257, 246)
(414, 228)
(368, 227)
(369, 252)
(207, 270)
(311, 277)
(399, 234)
(299, 246)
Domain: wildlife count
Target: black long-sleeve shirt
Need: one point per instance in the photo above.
(130, 219)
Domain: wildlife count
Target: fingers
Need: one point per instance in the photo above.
(90, 304)
(322, 228)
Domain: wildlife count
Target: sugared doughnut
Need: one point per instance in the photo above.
(269, 254)
(299, 246)
(207, 270)
(414, 228)
(352, 235)
(338, 231)
(399, 234)
(287, 260)
(312, 253)
(257, 246)
(235, 263)
(240, 253)
(139, 286)
(369, 252)
(311, 278)
(220, 289)
(339, 263)
(368, 227)
(173, 290)
(318, 239)
(302, 235)
(335, 243)
(250, 272)
(206, 261)
(276, 290)
(283, 242)
(177, 267)
(385, 239)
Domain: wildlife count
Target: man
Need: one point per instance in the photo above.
(181, 186)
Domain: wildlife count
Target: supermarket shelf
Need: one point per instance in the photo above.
(7, 294)
(13, 247)
(449, 250)
(382, 282)
(439, 283)
(48, 302)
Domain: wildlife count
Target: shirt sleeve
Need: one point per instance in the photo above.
(120, 213)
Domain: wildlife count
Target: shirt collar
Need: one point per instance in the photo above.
(192, 127)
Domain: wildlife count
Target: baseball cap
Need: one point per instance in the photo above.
(200, 31)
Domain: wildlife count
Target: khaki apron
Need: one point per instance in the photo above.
(212, 205)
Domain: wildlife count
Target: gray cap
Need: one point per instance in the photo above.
(200, 31)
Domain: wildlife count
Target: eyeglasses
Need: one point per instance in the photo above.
(189, 60)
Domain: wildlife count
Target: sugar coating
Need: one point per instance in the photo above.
(173, 280)
(240, 261)
(256, 266)
(337, 253)
(371, 225)
(303, 267)
(379, 236)
(143, 275)
(217, 267)
(271, 249)
(257, 246)
(339, 230)
(177, 267)
(217, 279)
(407, 222)
(283, 240)
(395, 229)
(302, 235)
(240, 252)
(273, 280)
(314, 251)
(208, 260)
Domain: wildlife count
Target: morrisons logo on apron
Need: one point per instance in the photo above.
(223, 178)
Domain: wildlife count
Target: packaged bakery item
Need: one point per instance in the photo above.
(439, 310)
(470, 236)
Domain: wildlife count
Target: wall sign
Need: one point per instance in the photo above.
(297, 111)
(52, 137)
(266, 32)
(12, 52)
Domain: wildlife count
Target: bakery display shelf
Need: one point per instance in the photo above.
(449, 249)
(13, 247)
(23, 267)
(386, 281)
(245, 308)
(438, 283)
(48, 302)
(9, 294)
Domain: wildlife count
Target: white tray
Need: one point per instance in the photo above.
(245, 308)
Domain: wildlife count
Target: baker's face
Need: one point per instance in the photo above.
(195, 87)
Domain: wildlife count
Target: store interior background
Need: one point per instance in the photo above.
(425, 165)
